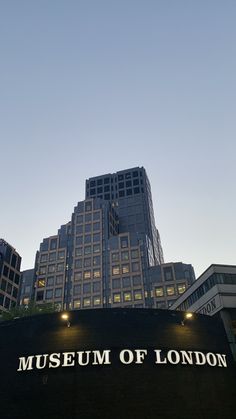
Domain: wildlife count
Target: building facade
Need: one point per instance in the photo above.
(108, 254)
(10, 262)
(214, 294)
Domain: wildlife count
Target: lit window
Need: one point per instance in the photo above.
(58, 292)
(87, 250)
(41, 283)
(135, 266)
(87, 262)
(49, 294)
(77, 304)
(96, 301)
(115, 257)
(78, 276)
(87, 302)
(181, 288)
(116, 298)
(127, 296)
(125, 269)
(96, 273)
(170, 290)
(124, 255)
(96, 248)
(138, 295)
(116, 270)
(134, 254)
(124, 242)
(44, 258)
(159, 292)
(87, 274)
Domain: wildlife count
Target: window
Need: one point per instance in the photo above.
(96, 286)
(60, 267)
(88, 206)
(116, 270)
(79, 219)
(50, 281)
(11, 275)
(77, 304)
(168, 274)
(88, 218)
(79, 229)
(58, 292)
(79, 240)
(3, 284)
(87, 262)
(88, 228)
(39, 296)
(96, 301)
(61, 254)
(115, 257)
(116, 283)
(127, 296)
(121, 185)
(17, 279)
(53, 244)
(41, 283)
(9, 288)
(42, 270)
(96, 261)
(49, 294)
(116, 298)
(125, 255)
(87, 250)
(135, 267)
(135, 174)
(96, 273)
(124, 242)
(170, 290)
(87, 238)
(5, 271)
(128, 183)
(77, 289)
(181, 288)
(126, 282)
(134, 254)
(96, 216)
(59, 279)
(87, 288)
(78, 276)
(44, 258)
(161, 304)
(87, 302)
(96, 237)
(100, 190)
(121, 194)
(159, 292)
(125, 269)
(136, 190)
(96, 248)
(78, 263)
(136, 280)
(129, 192)
(138, 295)
(96, 226)
(87, 274)
(78, 251)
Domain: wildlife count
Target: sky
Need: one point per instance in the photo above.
(89, 87)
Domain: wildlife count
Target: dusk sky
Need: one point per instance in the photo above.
(90, 87)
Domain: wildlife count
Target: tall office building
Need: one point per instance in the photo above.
(10, 262)
(104, 256)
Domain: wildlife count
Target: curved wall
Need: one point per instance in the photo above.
(141, 364)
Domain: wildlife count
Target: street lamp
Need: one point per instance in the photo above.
(65, 316)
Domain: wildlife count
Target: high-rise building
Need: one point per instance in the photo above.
(105, 255)
(10, 262)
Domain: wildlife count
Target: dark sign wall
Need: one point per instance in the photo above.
(117, 386)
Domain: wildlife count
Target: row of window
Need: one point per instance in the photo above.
(53, 256)
(127, 296)
(87, 250)
(9, 288)
(107, 180)
(126, 282)
(87, 262)
(51, 268)
(87, 274)
(6, 301)
(170, 290)
(88, 228)
(10, 274)
(86, 288)
(87, 218)
(88, 238)
(125, 268)
(49, 294)
(116, 256)
(50, 281)
(87, 302)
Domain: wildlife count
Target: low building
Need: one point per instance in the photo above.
(214, 294)
(10, 262)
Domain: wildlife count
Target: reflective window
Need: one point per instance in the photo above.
(96, 248)
(79, 229)
(50, 281)
(96, 286)
(61, 254)
(87, 262)
(59, 279)
(115, 257)
(96, 237)
(87, 238)
(124, 242)
(78, 263)
(124, 255)
(137, 280)
(134, 254)
(78, 276)
(79, 240)
(79, 219)
(87, 250)
(116, 283)
(49, 294)
(96, 226)
(88, 218)
(135, 266)
(88, 228)
(58, 292)
(44, 258)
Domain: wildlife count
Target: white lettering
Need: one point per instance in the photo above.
(140, 353)
(222, 360)
(69, 360)
(25, 363)
(211, 359)
(101, 358)
(80, 358)
(38, 358)
(130, 356)
(158, 357)
(173, 359)
(187, 357)
(54, 360)
(200, 358)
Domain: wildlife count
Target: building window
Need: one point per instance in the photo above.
(39, 295)
(135, 267)
(96, 261)
(77, 304)
(170, 290)
(124, 242)
(116, 283)
(96, 300)
(96, 248)
(181, 288)
(115, 257)
(87, 250)
(138, 295)
(79, 229)
(87, 262)
(126, 282)
(53, 244)
(78, 263)
(50, 281)
(59, 279)
(79, 219)
(137, 280)
(79, 240)
(25, 301)
(127, 296)
(87, 274)
(117, 298)
(44, 258)
(78, 251)
(61, 254)
(125, 269)
(116, 270)
(96, 286)
(96, 216)
(88, 206)
(88, 228)
(96, 237)
(78, 276)
(124, 255)
(77, 289)
(87, 288)
(168, 274)
(42, 270)
(134, 254)
(41, 283)
(87, 302)
(58, 292)
(88, 218)
(159, 292)
(49, 294)
(87, 238)
(96, 226)
(161, 304)
(96, 273)
(60, 267)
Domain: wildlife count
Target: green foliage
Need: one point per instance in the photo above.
(29, 310)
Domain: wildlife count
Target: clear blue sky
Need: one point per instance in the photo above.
(95, 86)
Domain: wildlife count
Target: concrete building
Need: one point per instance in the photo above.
(106, 255)
(214, 294)
(26, 286)
(10, 262)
